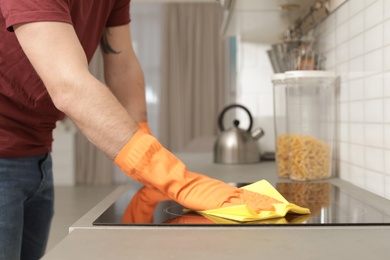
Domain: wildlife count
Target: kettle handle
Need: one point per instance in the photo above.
(221, 115)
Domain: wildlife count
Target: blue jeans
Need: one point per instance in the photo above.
(26, 206)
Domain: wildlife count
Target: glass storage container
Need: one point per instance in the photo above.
(310, 123)
(280, 124)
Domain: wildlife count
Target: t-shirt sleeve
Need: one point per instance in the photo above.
(24, 11)
(120, 14)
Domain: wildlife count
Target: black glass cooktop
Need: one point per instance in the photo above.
(329, 205)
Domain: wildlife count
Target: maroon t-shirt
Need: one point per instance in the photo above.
(27, 113)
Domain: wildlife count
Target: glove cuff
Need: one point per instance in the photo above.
(144, 126)
(131, 159)
(144, 159)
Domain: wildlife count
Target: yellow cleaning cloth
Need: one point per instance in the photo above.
(289, 219)
(243, 213)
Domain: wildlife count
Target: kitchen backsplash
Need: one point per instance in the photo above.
(357, 47)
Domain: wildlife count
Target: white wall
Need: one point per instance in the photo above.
(255, 90)
(357, 47)
(64, 154)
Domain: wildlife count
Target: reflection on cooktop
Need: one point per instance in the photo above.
(329, 205)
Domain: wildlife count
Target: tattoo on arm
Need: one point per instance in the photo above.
(105, 45)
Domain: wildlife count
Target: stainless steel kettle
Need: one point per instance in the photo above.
(237, 145)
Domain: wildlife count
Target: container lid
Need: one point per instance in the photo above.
(278, 77)
(309, 74)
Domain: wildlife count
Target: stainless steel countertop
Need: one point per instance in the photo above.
(86, 241)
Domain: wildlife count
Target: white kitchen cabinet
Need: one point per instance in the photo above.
(261, 21)
(254, 20)
(264, 21)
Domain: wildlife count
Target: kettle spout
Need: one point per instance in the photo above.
(257, 133)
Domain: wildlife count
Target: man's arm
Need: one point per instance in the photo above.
(123, 73)
(56, 54)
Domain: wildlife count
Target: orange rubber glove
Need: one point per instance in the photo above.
(144, 126)
(144, 159)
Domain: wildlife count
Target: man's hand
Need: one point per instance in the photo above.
(146, 160)
(258, 202)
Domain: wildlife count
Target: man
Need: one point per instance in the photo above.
(44, 53)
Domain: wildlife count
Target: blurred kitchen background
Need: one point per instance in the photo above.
(199, 56)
